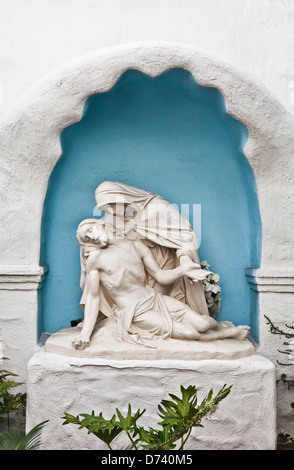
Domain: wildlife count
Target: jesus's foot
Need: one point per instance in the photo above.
(80, 342)
(241, 332)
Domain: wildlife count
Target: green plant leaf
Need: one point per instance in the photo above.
(178, 416)
(70, 419)
(17, 439)
(104, 429)
(10, 440)
(128, 423)
(32, 440)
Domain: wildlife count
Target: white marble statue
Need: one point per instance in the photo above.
(138, 214)
(114, 281)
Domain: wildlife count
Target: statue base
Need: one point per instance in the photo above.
(105, 345)
(244, 420)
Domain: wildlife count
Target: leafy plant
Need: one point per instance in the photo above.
(212, 290)
(17, 439)
(178, 417)
(284, 440)
(288, 351)
(15, 403)
(287, 334)
(10, 402)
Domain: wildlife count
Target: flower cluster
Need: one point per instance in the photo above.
(212, 291)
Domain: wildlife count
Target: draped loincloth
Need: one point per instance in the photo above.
(130, 320)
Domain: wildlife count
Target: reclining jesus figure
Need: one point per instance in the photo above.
(117, 267)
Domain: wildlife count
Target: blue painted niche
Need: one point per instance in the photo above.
(174, 138)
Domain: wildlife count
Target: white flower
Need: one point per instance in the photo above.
(212, 286)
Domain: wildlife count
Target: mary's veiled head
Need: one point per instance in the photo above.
(111, 195)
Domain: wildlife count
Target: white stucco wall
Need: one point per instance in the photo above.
(257, 37)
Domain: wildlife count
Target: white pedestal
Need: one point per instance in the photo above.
(245, 419)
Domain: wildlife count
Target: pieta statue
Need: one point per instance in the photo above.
(140, 268)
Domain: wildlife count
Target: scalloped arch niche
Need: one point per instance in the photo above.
(31, 148)
(170, 136)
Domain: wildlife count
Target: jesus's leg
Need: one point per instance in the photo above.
(180, 311)
(191, 325)
(211, 330)
(184, 332)
(235, 332)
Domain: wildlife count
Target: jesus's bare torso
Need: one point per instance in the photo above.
(121, 271)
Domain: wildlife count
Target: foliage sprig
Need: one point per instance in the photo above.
(179, 416)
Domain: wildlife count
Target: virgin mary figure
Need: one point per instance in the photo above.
(138, 214)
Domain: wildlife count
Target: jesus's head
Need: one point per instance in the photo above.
(90, 231)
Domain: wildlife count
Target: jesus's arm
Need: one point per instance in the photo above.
(168, 276)
(91, 307)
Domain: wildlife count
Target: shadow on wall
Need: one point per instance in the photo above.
(172, 137)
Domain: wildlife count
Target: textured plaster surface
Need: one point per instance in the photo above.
(245, 419)
(254, 36)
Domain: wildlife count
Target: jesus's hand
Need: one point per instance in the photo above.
(194, 272)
